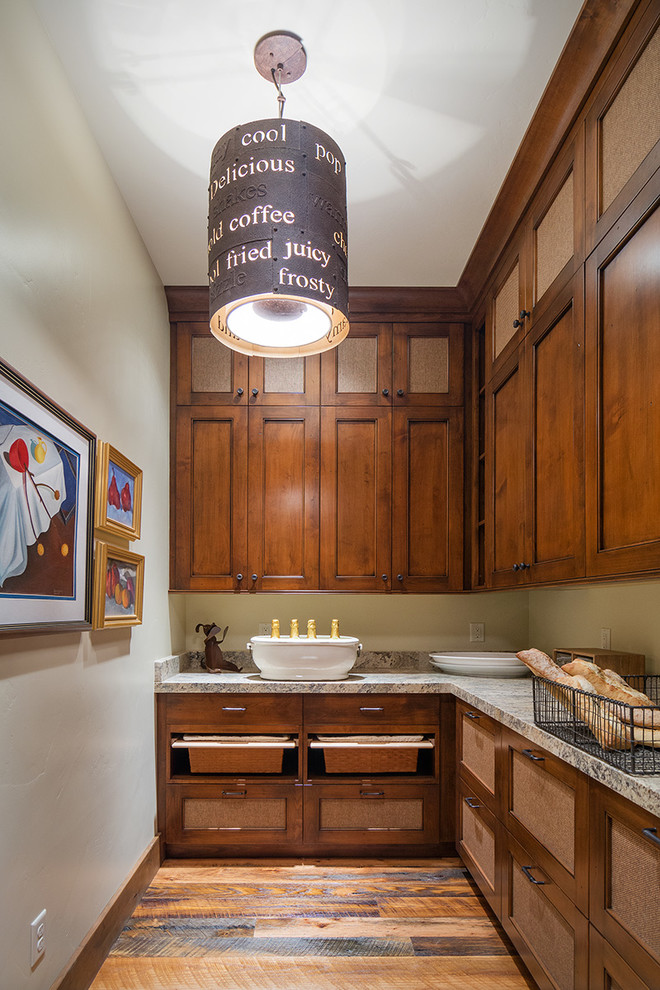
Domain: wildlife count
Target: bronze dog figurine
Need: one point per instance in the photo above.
(214, 659)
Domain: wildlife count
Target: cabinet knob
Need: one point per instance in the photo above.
(384, 577)
(530, 756)
(386, 391)
(255, 391)
(522, 566)
(471, 803)
(516, 566)
(400, 392)
(524, 313)
(239, 577)
(254, 577)
(239, 391)
(399, 577)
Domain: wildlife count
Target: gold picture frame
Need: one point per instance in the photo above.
(118, 587)
(118, 495)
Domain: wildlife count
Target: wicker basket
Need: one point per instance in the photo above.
(370, 754)
(237, 754)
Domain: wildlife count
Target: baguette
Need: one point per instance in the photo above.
(610, 685)
(610, 732)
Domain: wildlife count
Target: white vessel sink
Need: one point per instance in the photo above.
(303, 659)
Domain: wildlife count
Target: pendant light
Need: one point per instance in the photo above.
(277, 235)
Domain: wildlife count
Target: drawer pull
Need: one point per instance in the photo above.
(530, 756)
(234, 794)
(473, 715)
(652, 834)
(372, 709)
(471, 803)
(227, 709)
(372, 794)
(527, 871)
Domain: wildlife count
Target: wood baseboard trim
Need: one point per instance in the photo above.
(86, 961)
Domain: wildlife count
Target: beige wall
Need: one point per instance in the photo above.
(84, 318)
(574, 617)
(382, 622)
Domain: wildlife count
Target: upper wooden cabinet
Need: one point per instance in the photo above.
(623, 125)
(623, 392)
(395, 364)
(210, 373)
(534, 513)
(284, 478)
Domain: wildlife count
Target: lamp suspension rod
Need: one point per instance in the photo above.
(277, 79)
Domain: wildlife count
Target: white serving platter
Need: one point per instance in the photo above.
(480, 664)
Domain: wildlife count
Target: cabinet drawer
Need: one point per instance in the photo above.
(343, 815)
(625, 880)
(478, 737)
(547, 810)
(608, 970)
(235, 712)
(544, 925)
(477, 841)
(353, 712)
(213, 817)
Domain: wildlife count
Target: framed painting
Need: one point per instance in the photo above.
(46, 503)
(118, 493)
(118, 587)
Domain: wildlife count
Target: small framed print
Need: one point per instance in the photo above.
(118, 507)
(118, 587)
(46, 502)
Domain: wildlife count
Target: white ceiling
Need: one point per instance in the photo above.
(428, 100)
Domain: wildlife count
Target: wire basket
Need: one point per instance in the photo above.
(625, 736)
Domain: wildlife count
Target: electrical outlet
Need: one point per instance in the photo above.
(265, 628)
(605, 639)
(37, 938)
(477, 632)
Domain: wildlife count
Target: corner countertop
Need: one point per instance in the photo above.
(508, 700)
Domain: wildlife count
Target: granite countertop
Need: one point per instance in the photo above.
(508, 700)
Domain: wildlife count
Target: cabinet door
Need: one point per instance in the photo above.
(209, 498)
(508, 310)
(359, 370)
(623, 393)
(283, 499)
(478, 750)
(356, 492)
(544, 925)
(477, 840)
(554, 511)
(212, 819)
(427, 510)
(608, 970)
(371, 815)
(292, 381)
(507, 471)
(204, 370)
(559, 841)
(625, 880)
(623, 125)
(428, 364)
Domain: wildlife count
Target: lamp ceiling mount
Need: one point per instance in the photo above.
(280, 55)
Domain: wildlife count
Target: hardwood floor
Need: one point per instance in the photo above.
(320, 925)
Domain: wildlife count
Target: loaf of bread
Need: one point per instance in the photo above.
(610, 685)
(543, 666)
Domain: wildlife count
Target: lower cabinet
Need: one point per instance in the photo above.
(372, 814)
(304, 774)
(571, 869)
(477, 842)
(545, 926)
(625, 881)
(239, 815)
